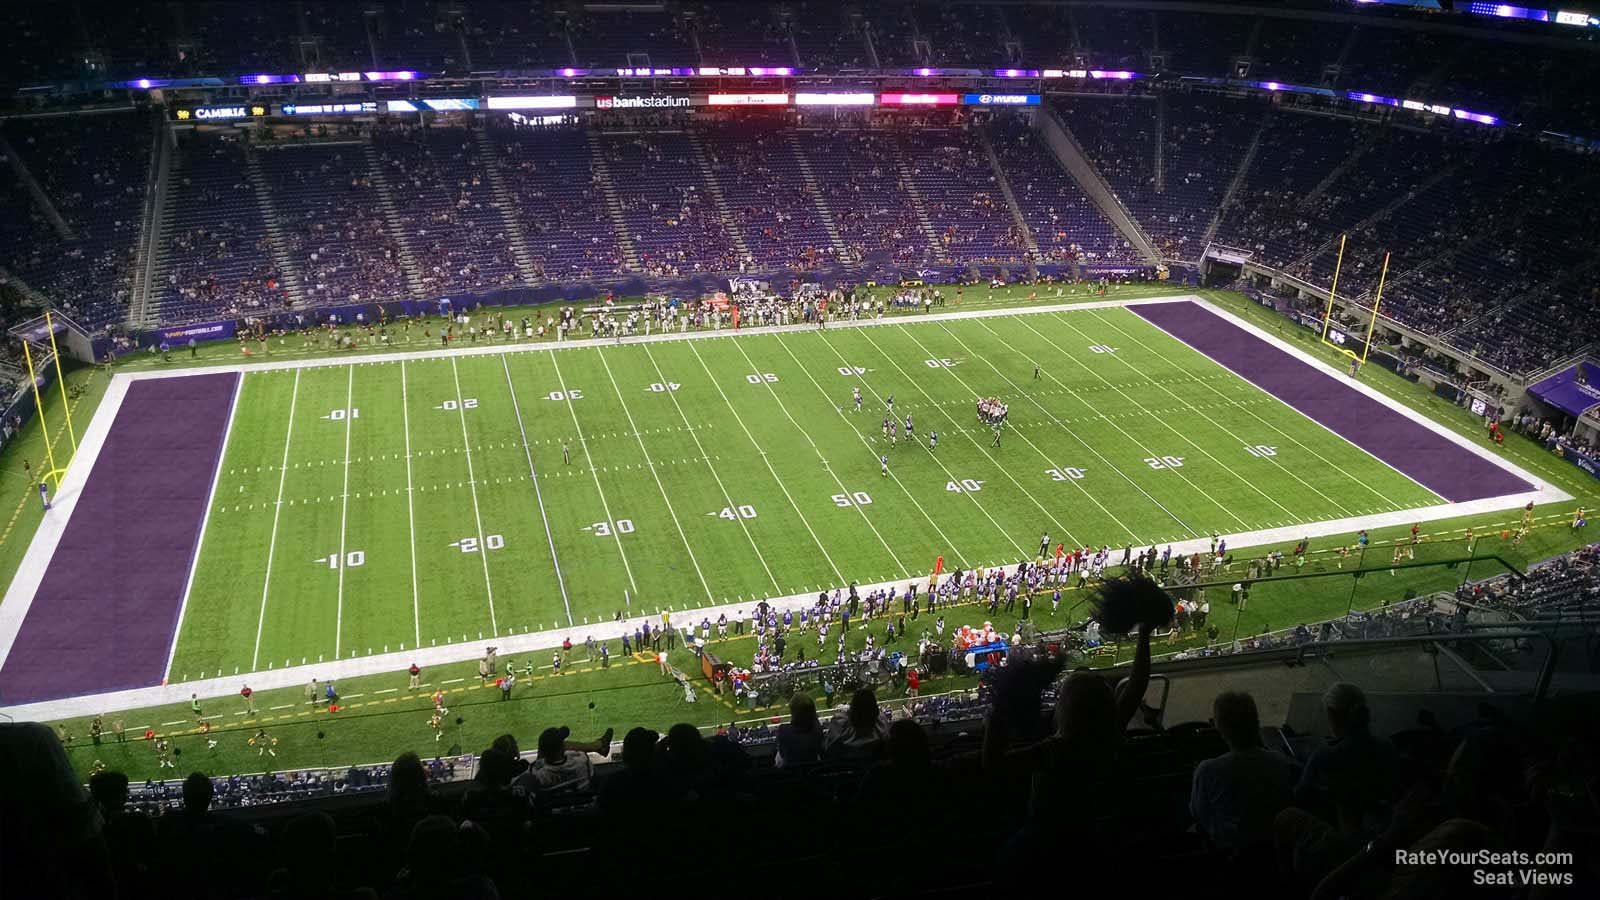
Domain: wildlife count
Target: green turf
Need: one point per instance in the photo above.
(381, 717)
(719, 471)
(392, 723)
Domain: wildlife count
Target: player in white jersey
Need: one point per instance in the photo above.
(884, 462)
(933, 440)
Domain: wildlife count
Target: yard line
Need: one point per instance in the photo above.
(949, 474)
(870, 449)
(411, 519)
(1229, 432)
(1085, 444)
(272, 542)
(561, 580)
(1181, 436)
(968, 435)
(651, 465)
(715, 477)
(1112, 422)
(211, 497)
(765, 461)
(604, 505)
(1014, 386)
(344, 505)
(818, 450)
(1377, 493)
(472, 481)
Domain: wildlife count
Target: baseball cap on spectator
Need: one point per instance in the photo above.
(553, 743)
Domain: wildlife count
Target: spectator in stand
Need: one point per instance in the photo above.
(562, 767)
(307, 842)
(859, 733)
(626, 794)
(1235, 797)
(907, 782)
(1090, 718)
(53, 845)
(1481, 804)
(410, 800)
(801, 738)
(1346, 791)
(685, 762)
(130, 835)
(490, 800)
(199, 847)
(440, 864)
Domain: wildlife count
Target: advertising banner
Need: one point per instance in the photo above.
(642, 102)
(203, 331)
(919, 99)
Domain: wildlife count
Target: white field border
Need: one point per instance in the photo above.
(19, 595)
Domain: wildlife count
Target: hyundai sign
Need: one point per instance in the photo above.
(1000, 99)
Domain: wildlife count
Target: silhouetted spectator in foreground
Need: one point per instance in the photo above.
(439, 865)
(1080, 766)
(201, 849)
(130, 835)
(50, 839)
(1235, 797)
(801, 738)
(1345, 793)
(859, 734)
(410, 799)
(310, 864)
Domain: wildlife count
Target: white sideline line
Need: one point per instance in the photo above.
(718, 478)
(1544, 491)
(772, 392)
(561, 580)
(411, 516)
(765, 460)
(205, 521)
(20, 594)
(651, 465)
(472, 480)
(582, 343)
(277, 508)
(344, 507)
(604, 505)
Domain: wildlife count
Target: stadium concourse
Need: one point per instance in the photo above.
(360, 345)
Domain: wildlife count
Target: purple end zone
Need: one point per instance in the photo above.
(1439, 464)
(107, 609)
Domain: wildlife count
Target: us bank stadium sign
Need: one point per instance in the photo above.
(641, 102)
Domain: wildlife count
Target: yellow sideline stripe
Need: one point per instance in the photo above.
(649, 658)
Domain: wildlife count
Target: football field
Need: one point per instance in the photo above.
(383, 506)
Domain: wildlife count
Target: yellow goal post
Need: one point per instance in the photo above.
(1336, 337)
